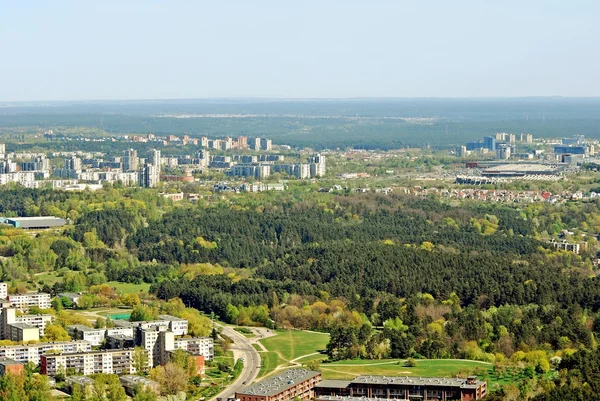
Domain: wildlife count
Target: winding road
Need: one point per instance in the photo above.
(242, 348)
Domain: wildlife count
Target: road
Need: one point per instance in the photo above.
(242, 348)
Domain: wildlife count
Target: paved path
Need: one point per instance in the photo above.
(242, 348)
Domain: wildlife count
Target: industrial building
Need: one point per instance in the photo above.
(402, 388)
(285, 386)
(33, 223)
(516, 170)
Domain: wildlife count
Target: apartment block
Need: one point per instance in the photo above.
(81, 332)
(33, 352)
(3, 290)
(196, 346)
(25, 301)
(9, 317)
(88, 363)
(22, 332)
(286, 386)
(401, 388)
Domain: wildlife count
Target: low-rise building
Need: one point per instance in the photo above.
(401, 388)
(131, 382)
(10, 366)
(86, 384)
(285, 386)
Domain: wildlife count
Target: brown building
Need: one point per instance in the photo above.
(283, 387)
(10, 366)
(401, 388)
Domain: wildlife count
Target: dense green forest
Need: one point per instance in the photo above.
(386, 275)
(360, 123)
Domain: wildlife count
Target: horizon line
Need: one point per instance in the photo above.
(288, 99)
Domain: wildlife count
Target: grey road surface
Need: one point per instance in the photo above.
(242, 348)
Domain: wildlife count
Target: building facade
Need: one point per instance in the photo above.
(88, 363)
(285, 386)
(403, 388)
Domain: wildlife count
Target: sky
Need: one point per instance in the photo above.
(128, 49)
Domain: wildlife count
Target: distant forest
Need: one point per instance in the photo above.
(368, 124)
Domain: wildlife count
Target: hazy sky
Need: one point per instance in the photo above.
(120, 49)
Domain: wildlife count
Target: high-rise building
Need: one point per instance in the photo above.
(2, 148)
(317, 165)
(130, 160)
(148, 177)
(242, 142)
(255, 144)
(489, 142)
(461, 151)
(265, 144)
(157, 163)
(503, 152)
(512, 138)
(73, 163)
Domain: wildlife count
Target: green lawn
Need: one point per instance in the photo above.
(269, 362)
(47, 278)
(129, 288)
(292, 344)
(349, 369)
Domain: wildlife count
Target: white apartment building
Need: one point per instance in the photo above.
(33, 352)
(9, 316)
(114, 361)
(3, 290)
(24, 301)
(93, 336)
(178, 326)
(196, 346)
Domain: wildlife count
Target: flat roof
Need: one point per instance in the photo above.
(169, 318)
(348, 398)
(135, 379)
(416, 381)
(82, 327)
(37, 221)
(22, 326)
(81, 380)
(8, 361)
(334, 384)
(276, 384)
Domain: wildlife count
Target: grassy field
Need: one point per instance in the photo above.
(129, 288)
(48, 278)
(291, 344)
(423, 368)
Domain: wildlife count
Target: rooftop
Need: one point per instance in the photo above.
(416, 381)
(133, 380)
(81, 380)
(276, 384)
(7, 362)
(22, 326)
(334, 384)
(169, 318)
(82, 327)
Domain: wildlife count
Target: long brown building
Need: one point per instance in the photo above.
(401, 388)
(283, 387)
